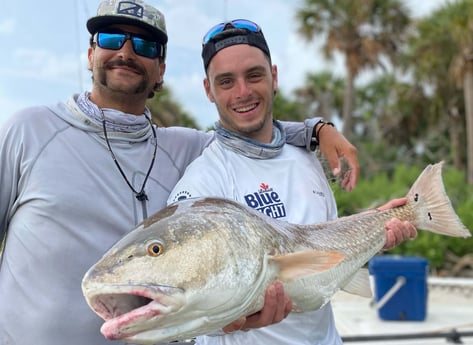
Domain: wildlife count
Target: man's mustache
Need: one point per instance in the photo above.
(120, 63)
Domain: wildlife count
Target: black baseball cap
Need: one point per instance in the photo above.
(238, 31)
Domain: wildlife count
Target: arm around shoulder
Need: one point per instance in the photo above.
(315, 132)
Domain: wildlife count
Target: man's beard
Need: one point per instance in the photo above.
(245, 130)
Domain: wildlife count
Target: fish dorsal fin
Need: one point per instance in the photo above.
(359, 284)
(300, 264)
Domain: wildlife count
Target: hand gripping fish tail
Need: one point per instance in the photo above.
(200, 264)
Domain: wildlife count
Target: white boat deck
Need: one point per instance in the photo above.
(449, 308)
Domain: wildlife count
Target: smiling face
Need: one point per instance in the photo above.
(241, 83)
(121, 78)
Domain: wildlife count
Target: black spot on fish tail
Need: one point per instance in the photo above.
(432, 207)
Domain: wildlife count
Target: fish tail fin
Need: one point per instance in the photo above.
(433, 209)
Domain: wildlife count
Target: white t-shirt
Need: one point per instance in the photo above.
(290, 187)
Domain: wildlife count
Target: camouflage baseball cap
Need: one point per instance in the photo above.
(131, 12)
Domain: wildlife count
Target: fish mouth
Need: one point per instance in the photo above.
(133, 309)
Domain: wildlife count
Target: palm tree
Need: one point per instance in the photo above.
(443, 50)
(363, 31)
(322, 94)
(432, 49)
(462, 66)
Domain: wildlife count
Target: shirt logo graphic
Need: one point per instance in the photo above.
(182, 195)
(267, 201)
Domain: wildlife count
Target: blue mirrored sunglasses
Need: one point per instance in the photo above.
(141, 46)
(237, 23)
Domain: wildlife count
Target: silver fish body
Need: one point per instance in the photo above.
(200, 264)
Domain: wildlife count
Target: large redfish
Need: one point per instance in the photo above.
(200, 264)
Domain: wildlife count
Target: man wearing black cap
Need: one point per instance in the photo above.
(250, 162)
(78, 175)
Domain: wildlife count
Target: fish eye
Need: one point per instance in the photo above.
(155, 248)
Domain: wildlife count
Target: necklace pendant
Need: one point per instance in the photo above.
(141, 196)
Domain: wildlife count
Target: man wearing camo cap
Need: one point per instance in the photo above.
(78, 175)
(130, 12)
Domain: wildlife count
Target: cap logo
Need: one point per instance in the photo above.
(130, 8)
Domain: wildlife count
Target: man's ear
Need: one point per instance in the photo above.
(90, 58)
(162, 69)
(208, 91)
(274, 72)
(158, 86)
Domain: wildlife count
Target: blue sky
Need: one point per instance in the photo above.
(44, 48)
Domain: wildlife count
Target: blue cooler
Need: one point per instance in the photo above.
(400, 287)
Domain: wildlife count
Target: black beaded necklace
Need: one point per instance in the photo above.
(141, 195)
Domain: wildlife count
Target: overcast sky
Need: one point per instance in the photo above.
(44, 48)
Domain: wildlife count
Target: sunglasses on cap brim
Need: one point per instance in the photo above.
(237, 23)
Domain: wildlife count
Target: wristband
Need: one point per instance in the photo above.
(316, 133)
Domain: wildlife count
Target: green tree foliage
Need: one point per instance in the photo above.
(288, 110)
(397, 125)
(167, 112)
(322, 94)
(442, 46)
(416, 113)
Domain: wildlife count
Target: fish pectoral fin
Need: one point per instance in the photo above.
(360, 284)
(300, 264)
